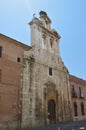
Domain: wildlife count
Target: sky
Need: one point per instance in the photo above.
(68, 19)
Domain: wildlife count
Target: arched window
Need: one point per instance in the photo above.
(44, 45)
(75, 109)
(51, 45)
(79, 89)
(72, 91)
(82, 108)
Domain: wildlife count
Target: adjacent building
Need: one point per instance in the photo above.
(35, 86)
(78, 95)
(11, 56)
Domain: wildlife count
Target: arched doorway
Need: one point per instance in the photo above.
(52, 111)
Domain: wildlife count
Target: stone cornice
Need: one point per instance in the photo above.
(77, 80)
(38, 22)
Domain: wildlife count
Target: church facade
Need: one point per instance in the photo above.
(45, 90)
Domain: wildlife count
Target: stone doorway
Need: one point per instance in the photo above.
(51, 111)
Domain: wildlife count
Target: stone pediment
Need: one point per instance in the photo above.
(49, 83)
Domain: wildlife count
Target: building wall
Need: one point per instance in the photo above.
(77, 97)
(10, 79)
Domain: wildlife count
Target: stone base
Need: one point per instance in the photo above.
(32, 123)
(9, 125)
(79, 118)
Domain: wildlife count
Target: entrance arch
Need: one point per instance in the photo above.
(52, 111)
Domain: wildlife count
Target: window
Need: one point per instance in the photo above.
(51, 45)
(50, 71)
(72, 90)
(0, 51)
(73, 93)
(79, 89)
(44, 45)
(18, 59)
(82, 108)
(0, 74)
(75, 109)
(0, 105)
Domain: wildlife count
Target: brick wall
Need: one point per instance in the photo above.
(78, 83)
(10, 78)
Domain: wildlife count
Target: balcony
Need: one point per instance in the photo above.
(74, 95)
(81, 96)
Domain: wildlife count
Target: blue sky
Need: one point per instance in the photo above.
(68, 18)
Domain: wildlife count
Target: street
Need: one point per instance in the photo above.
(77, 125)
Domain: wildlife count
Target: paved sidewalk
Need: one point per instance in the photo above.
(77, 125)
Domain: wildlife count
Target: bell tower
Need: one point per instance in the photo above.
(45, 20)
(42, 36)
